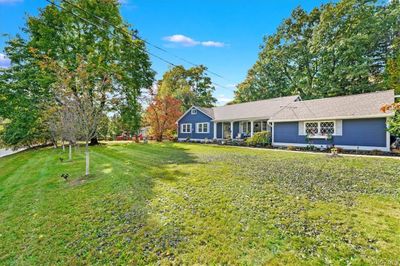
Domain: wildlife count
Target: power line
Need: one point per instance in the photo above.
(138, 37)
(124, 32)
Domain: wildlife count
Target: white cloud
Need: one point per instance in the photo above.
(222, 99)
(213, 44)
(4, 60)
(188, 42)
(182, 39)
(10, 1)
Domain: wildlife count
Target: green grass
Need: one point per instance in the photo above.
(180, 203)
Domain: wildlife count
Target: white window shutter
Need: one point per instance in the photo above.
(339, 128)
(302, 131)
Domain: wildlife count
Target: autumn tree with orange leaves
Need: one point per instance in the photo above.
(161, 115)
(394, 122)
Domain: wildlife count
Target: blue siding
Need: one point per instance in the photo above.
(355, 132)
(235, 129)
(219, 130)
(193, 119)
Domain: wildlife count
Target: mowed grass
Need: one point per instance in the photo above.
(187, 204)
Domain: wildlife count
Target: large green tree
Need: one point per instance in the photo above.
(65, 36)
(190, 86)
(393, 70)
(337, 49)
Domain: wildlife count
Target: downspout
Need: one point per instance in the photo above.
(271, 124)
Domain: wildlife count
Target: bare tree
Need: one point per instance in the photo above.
(69, 126)
(81, 93)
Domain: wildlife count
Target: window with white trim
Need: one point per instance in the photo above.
(202, 127)
(193, 111)
(264, 125)
(319, 129)
(246, 127)
(186, 128)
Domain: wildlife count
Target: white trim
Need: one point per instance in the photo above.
(346, 147)
(208, 127)
(338, 124)
(339, 128)
(387, 135)
(273, 132)
(215, 130)
(251, 128)
(338, 131)
(193, 113)
(182, 128)
(185, 113)
(231, 129)
(301, 130)
(383, 115)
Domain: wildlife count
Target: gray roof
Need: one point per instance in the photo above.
(352, 106)
(263, 109)
(207, 111)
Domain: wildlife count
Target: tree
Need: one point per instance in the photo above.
(393, 69)
(394, 122)
(25, 88)
(24, 98)
(336, 49)
(191, 86)
(161, 115)
(80, 94)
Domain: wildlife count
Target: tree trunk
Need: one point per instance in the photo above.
(87, 158)
(94, 141)
(54, 143)
(70, 151)
(63, 146)
(159, 138)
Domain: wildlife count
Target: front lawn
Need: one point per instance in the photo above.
(182, 203)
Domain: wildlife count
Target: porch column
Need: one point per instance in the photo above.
(215, 130)
(231, 129)
(251, 128)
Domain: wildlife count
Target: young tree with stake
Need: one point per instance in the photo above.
(82, 93)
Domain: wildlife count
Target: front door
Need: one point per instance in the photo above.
(227, 130)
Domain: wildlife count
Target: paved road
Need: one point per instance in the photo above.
(4, 152)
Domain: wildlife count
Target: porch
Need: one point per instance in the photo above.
(239, 129)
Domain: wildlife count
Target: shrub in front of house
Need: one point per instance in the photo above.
(291, 148)
(376, 152)
(310, 147)
(260, 139)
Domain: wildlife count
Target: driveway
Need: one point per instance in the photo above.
(5, 152)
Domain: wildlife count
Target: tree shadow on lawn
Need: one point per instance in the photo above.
(117, 227)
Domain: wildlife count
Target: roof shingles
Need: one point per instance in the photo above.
(352, 106)
(259, 109)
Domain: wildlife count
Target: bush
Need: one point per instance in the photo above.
(376, 152)
(310, 147)
(291, 148)
(262, 138)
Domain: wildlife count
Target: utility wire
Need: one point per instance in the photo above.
(138, 37)
(126, 33)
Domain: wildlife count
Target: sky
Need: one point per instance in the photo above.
(223, 35)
